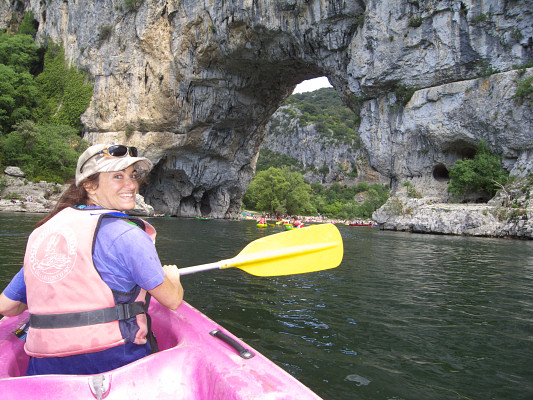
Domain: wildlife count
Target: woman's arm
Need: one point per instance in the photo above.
(124, 255)
(170, 292)
(10, 308)
(13, 298)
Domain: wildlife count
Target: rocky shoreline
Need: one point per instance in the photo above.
(400, 213)
(427, 215)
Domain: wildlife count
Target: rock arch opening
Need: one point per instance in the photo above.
(314, 133)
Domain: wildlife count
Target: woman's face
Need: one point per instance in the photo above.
(115, 190)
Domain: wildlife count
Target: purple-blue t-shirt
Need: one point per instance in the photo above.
(125, 256)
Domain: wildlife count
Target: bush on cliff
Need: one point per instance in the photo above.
(43, 152)
(483, 173)
(65, 94)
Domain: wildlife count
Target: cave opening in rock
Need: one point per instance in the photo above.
(462, 149)
(310, 132)
(205, 204)
(441, 173)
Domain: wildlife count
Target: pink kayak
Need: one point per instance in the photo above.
(198, 360)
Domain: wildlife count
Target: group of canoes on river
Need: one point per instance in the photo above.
(287, 224)
(295, 223)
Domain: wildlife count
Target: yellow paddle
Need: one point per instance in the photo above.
(309, 249)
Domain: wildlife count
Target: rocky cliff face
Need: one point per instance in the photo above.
(325, 159)
(194, 84)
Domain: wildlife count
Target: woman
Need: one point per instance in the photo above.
(89, 271)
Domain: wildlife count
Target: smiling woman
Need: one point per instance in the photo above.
(87, 261)
(114, 190)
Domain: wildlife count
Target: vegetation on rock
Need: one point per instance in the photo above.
(268, 158)
(41, 101)
(483, 173)
(325, 109)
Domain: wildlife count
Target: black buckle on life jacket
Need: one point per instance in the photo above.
(129, 310)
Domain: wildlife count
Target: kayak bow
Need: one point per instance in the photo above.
(199, 360)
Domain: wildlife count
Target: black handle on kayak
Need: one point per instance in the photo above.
(243, 352)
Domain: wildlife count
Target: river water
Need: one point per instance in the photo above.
(405, 316)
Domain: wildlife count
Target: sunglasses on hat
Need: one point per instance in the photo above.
(114, 151)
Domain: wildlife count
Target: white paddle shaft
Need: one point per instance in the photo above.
(200, 268)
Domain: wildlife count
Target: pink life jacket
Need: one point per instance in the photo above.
(72, 310)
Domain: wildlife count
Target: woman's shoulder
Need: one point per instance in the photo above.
(121, 224)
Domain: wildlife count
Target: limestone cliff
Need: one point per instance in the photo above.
(324, 159)
(194, 83)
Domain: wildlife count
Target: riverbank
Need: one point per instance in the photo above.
(428, 215)
(400, 213)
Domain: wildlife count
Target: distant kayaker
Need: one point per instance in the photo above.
(89, 271)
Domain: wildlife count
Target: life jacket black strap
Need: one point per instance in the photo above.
(150, 337)
(85, 318)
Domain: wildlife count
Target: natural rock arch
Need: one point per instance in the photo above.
(193, 84)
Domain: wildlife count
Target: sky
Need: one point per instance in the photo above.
(311, 85)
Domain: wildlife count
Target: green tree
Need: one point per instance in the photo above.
(18, 91)
(28, 25)
(47, 152)
(337, 201)
(483, 173)
(279, 191)
(298, 198)
(271, 187)
(65, 92)
(19, 52)
(18, 94)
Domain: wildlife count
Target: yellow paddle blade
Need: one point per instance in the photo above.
(298, 251)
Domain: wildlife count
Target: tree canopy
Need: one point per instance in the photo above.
(282, 191)
(18, 90)
(279, 191)
(44, 152)
(40, 112)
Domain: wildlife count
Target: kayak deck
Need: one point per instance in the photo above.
(193, 364)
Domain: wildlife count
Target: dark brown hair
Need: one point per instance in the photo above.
(73, 196)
